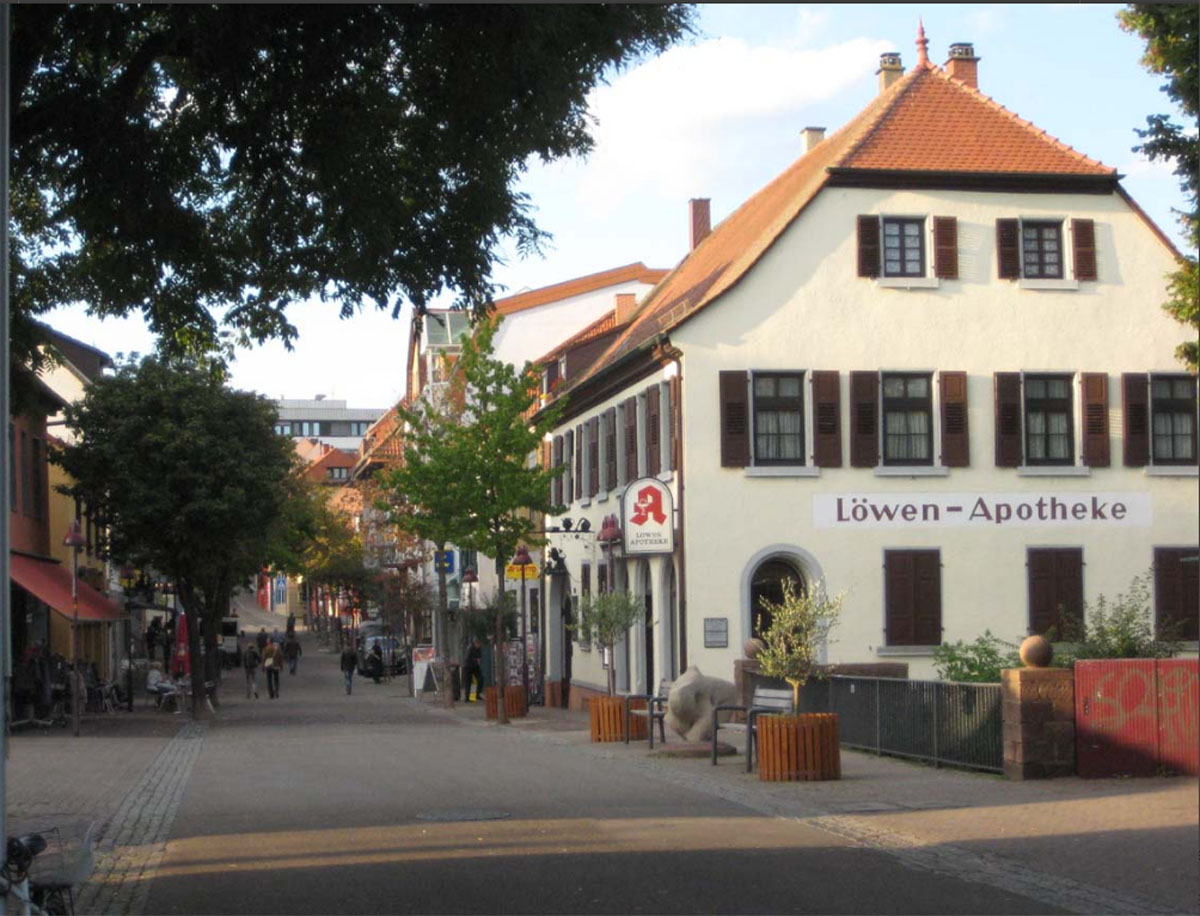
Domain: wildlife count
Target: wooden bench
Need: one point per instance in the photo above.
(655, 711)
(765, 700)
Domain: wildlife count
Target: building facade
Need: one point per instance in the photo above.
(328, 421)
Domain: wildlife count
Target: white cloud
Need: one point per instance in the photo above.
(668, 127)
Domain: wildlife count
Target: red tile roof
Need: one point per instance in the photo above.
(601, 325)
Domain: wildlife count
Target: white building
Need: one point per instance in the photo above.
(926, 366)
(325, 420)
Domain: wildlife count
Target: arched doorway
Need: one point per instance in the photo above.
(767, 582)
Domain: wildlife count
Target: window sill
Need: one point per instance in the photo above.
(1052, 470)
(913, 471)
(603, 497)
(783, 470)
(1172, 470)
(585, 502)
(905, 651)
(664, 476)
(1048, 284)
(908, 282)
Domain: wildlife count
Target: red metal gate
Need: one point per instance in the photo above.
(1136, 717)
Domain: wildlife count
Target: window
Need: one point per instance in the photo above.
(1173, 419)
(1177, 592)
(1049, 432)
(338, 473)
(767, 582)
(1041, 250)
(907, 419)
(1055, 590)
(903, 247)
(778, 418)
(283, 429)
(912, 597)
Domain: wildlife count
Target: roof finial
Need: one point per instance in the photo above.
(922, 44)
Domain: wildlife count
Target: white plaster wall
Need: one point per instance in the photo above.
(803, 307)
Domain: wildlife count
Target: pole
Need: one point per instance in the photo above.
(75, 639)
(5, 469)
(524, 641)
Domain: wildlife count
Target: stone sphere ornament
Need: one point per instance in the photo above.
(753, 647)
(1036, 652)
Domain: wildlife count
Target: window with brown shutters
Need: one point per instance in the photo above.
(956, 441)
(907, 414)
(827, 425)
(1008, 419)
(1095, 419)
(735, 419)
(1049, 420)
(593, 456)
(945, 247)
(1173, 419)
(580, 448)
(1008, 251)
(1135, 407)
(653, 431)
(1177, 593)
(556, 460)
(778, 418)
(1083, 242)
(864, 419)
(1055, 590)
(868, 246)
(631, 439)
(610, 448)
(674, 419)
(912, 597)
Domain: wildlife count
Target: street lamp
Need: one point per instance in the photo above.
(75, 540)
(524, 560)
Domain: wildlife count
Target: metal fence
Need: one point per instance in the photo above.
(937, 721)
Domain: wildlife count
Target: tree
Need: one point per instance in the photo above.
(800, 624)
(1172, 36)
(605, 618)
(187, 476)
(212, 164)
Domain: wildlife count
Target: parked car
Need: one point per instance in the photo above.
(393, 654)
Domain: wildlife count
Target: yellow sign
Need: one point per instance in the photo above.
(513, 571)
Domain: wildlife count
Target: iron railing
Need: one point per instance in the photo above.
(942, 722)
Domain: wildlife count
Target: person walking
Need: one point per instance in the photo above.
(272, 663)
(473, 670)
(250, 660)
(153, 633)
(292, 651)
(349, 664)
(261, 640)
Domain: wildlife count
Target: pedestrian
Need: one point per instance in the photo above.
(250, 660)
(261, 640)
(152, 637)
(291, 624)
(349, 664)
(272, 663)
(374, 663)
(473, 671)
(292, 651)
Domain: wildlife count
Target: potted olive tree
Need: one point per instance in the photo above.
(798, 746)
(605, 619)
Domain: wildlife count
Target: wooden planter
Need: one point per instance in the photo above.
(607, 718)
(803, 747)
(514, 702)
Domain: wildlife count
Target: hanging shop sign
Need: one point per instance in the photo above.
(648, 517)
(518, 572)
(982, 510)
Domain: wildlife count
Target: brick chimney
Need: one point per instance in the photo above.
(812, 136)
(701, 219)
(890, 69)
(626, 306)
(963, 65)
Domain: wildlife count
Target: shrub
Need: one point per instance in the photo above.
(1122, 627)
(978, 662)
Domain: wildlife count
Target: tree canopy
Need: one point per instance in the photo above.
(1172, 36)
(208, 165)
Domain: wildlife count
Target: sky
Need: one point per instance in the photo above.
(719, 116)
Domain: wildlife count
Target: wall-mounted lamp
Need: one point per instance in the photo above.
(566, 524)
(585, 525)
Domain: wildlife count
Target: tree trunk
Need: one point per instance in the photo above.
(612, 668)
(190, 602)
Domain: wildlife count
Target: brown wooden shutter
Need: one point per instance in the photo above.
(653, 431)
(1177, 593)
(568, 462)
(945, 247)
(1055, 588)
(610, 448)
(631, 443)
(1083, 238)
(1095, 419)
(593, 456)
(1008, 419)
(580, 444)
(556, 460)
(868, 246)
(1135, 405)
(735, 419)
(864, 419)
(1008, 251)
(827, 422)
(674, 419)
(927, 598)
(899, 596)
(956, 443)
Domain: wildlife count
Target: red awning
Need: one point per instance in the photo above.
(52, 584)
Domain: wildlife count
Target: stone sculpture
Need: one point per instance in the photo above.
(690, 704)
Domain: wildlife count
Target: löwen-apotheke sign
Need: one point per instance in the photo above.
(981, 510)
(648, 517)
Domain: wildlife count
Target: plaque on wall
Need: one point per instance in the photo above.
(716, 632)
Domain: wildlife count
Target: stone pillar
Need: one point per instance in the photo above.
(1039, 722)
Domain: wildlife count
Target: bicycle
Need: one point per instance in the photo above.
(44, 884)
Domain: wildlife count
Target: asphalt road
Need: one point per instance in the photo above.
(319, 802)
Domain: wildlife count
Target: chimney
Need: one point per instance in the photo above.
(626, 306)
(701, 219)
(963, 65)
(890, 69)
(812, 136)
